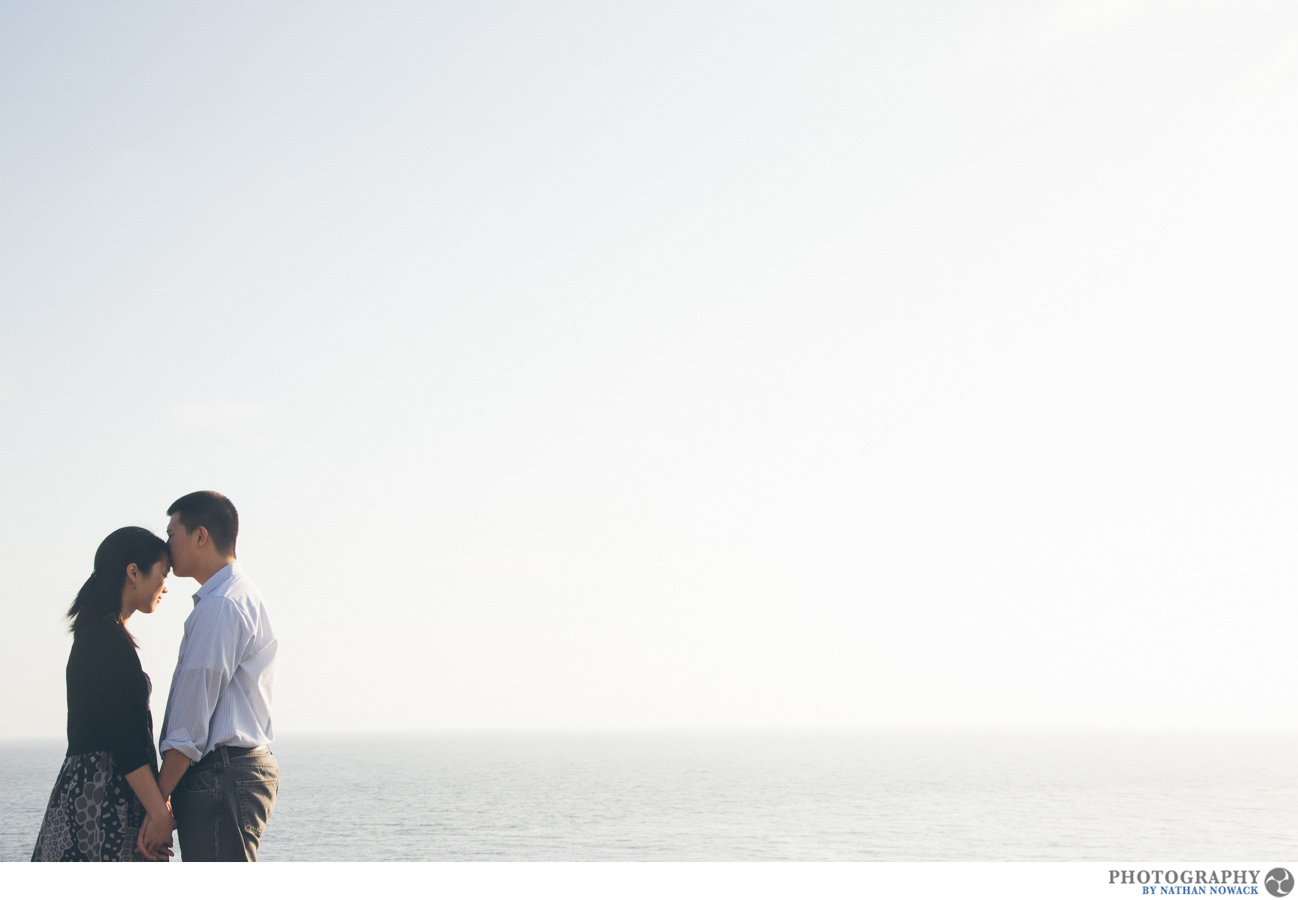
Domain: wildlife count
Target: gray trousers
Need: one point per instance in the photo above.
(222, 804)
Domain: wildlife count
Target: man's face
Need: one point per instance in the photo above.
(183, 547)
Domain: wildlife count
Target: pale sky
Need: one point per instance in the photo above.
(924, 364)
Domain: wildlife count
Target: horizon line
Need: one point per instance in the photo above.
(1204, 729)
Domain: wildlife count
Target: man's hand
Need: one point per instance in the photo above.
(155, 840)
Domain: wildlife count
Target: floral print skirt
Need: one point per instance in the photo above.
(93, 815)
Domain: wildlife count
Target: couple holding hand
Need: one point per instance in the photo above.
(218, 779)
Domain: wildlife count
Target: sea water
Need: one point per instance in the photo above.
(755, 796)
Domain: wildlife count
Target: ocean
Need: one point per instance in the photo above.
(742, 796)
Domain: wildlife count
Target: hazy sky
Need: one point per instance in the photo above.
(640, 364)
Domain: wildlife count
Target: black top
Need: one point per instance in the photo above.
(108, 697)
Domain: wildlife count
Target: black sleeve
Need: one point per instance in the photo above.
(123, 697)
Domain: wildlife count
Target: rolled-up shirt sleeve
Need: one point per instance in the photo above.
(215, 637)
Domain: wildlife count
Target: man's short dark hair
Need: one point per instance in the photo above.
(212, 511)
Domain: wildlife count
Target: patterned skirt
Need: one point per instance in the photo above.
(93, 815)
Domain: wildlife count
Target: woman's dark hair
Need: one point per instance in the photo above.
(101, 596)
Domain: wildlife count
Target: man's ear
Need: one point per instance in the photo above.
(202, 534)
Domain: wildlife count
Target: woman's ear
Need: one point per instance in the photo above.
(133, 573)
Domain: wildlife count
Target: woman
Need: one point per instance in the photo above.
(109, 779)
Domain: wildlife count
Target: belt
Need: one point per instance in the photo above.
(221, 756)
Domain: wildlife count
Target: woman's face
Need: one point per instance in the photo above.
(148, 588)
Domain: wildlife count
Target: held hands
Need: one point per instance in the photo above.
(155, 840)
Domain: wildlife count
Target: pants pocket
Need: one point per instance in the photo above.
(256, 803)
(202, 782)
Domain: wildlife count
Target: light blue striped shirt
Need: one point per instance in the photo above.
(221, 691)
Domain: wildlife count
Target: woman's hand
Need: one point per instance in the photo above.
(155, 833)
(155, 840)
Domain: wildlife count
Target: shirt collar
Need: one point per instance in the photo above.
(224, 576)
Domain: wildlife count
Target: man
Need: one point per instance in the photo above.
(216, 765)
